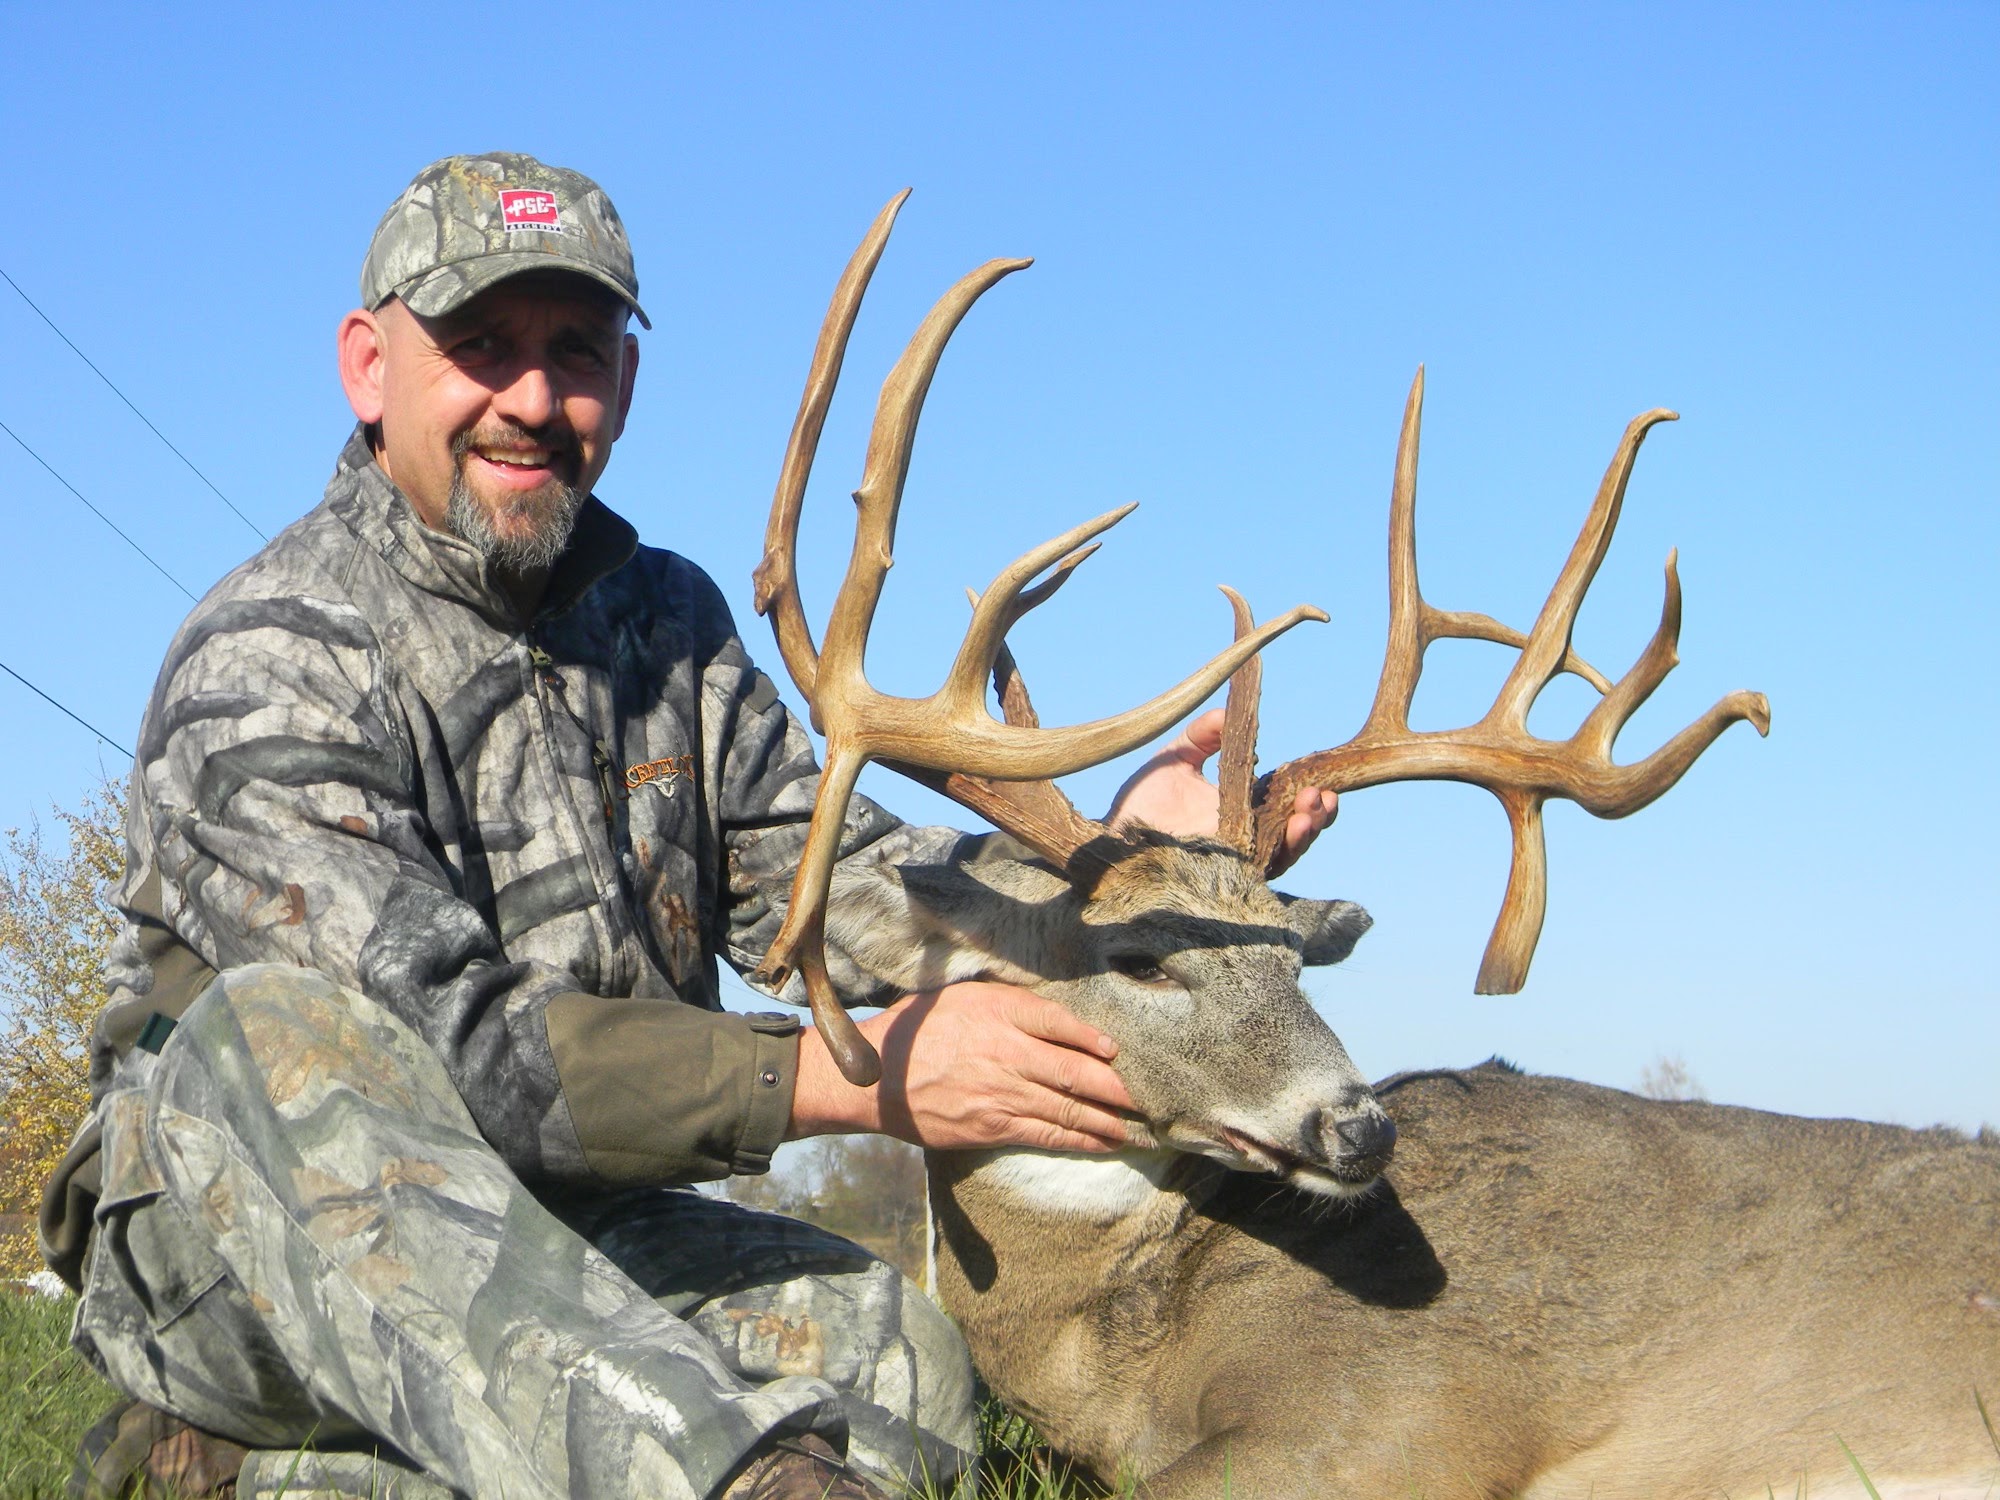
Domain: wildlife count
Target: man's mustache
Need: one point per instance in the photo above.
(557, 437)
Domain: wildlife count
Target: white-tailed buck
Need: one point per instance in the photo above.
(1557, 1290)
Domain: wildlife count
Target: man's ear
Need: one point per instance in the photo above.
(359, 344)
(920, 926)
(1329, 929)
(628, 374)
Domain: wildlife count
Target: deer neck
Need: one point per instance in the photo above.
(1075, 1248)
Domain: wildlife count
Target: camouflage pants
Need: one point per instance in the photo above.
(303, 1238)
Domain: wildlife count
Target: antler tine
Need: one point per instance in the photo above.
(1034, 812)
(776, 580)
(1008, 684)
(1626, 789)
(1498, 752)
(1413, 621)
(1011, 688)
(1548, 641)
(1003, 603)
(1662, 654)
(1503, 967)
(890, 440)
(1403, 656)
(1236, 772)
(1040, 594)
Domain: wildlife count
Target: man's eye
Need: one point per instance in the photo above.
(1138, 967)
(588, 355)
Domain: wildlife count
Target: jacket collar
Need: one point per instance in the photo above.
(371, 505)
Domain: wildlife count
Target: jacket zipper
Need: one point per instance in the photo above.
(600, 753)
(609, 918)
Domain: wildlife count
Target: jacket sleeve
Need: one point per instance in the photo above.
(641, 1080)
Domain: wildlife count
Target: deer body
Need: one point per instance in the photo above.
(1559, 1291)
(1556, 1290)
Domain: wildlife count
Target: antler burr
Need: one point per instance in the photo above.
(948, 739)
(1497, 753)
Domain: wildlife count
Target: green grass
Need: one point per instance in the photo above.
(47, 1396)
(1019, 1466)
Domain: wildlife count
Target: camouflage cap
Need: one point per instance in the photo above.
(467, 222)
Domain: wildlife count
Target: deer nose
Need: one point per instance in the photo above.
(1367, 1140)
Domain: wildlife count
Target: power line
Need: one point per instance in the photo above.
(94, 510)
(76, 716)
(128, 401)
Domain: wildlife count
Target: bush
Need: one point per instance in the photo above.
(56, 924)
(869, 1188)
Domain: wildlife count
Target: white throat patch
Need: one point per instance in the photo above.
(1100, 1189)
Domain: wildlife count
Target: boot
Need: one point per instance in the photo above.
(801, 1468)
(138, 1452)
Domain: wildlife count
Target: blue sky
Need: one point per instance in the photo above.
(1251, 225)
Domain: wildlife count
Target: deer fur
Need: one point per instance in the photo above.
(1557, 1290)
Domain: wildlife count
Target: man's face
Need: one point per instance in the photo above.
(497, 419)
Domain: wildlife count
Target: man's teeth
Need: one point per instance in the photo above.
(519, 458)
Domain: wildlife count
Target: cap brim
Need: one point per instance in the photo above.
(447, 288)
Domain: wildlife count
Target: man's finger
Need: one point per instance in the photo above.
(1092, 1133)
(1201, 739)
(1317, 804)
(1080, 1117)
(1042, 1017)
(1083, 1081)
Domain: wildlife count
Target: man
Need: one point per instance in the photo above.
(447, 803)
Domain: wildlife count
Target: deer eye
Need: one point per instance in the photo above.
(1137, 966)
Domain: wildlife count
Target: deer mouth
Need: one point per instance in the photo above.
(1333, 1178)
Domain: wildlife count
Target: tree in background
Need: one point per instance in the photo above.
(1667, 1077)
(56, 924)
(869, 1188)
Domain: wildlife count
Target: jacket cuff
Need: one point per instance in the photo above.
(774, 1076)
(662, 1092)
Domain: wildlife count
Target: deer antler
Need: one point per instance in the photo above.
(1498, 752)
(949, 737)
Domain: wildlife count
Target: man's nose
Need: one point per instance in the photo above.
(529, 398)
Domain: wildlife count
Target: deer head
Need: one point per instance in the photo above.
(1180, 952)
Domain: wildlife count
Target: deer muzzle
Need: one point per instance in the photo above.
(1337, 1151)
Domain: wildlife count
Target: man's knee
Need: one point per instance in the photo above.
(867, 1330)
(281, 1106)
(290, 1038)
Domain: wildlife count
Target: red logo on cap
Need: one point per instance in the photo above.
(529, 208)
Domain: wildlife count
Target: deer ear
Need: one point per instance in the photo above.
(1329, 929)
(919, 926)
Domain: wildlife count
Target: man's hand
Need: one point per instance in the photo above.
(971, 1064)
(1170, 793)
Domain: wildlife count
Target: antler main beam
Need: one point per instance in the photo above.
(1498, 752)
(949, 737)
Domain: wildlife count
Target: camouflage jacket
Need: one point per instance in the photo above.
(531, 842)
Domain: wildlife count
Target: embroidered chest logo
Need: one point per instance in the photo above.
(523, 208)
(664, 773)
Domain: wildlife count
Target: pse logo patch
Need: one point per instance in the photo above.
(527, 208)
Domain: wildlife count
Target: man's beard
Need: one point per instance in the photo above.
(550, 511)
